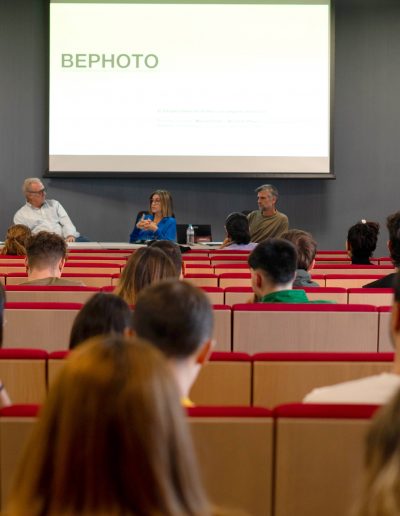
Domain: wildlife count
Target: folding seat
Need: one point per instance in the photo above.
(287, 377)
(319, 454)
(235, 452)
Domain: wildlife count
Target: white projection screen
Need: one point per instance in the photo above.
(186, 88)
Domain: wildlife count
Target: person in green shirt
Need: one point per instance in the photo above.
(273, 265)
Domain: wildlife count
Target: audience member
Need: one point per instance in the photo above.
(103, 314)
(16, 240)
(376, 389)
(306, 248)
(177, 318)
(381, 487)
(267, 221)
(237, 233)
(146, 266)
(4, 397)
(361, 242)
(40, 214)
(46, 255)
(172, 250)
(393, 225)
(273, 265)
(111, 439)
(160, 223)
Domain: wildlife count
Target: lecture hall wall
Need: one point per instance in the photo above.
(366, 138)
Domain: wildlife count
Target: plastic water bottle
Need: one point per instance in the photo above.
(190, 235)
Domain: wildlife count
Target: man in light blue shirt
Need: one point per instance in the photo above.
(40, 214)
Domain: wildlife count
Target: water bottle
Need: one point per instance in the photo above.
(190, 235)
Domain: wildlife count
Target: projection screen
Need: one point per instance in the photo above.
(224, 89)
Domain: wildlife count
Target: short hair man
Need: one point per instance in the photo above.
(306, 248)
(177, 318)
(273, 266)
(45, 258)
(375, 389)
(393, 225)
(40, 214)
(267, 221)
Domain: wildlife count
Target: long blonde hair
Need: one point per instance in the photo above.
(381, 487)
(16, 237)
(145, 267)
(111, 439)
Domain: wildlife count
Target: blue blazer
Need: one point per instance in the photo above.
(166, 230)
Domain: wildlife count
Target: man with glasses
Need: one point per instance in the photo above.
(40, 214)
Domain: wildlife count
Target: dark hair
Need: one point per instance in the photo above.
(175, 316)
(237, 228)
(16, 240)
(144, 267)
(2, 303)
(362, 239)
(103, 314)
(276, 258)
(305, 245)
(393, 225)
(172, 250)
(45, 248)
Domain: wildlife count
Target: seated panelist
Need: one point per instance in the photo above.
(160, 223)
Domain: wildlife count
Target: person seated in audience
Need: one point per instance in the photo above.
(306, 248)
(102, 314)
(393, 225)
(273, 265)
(144, 267)
(380, 495)
(376, 389)
(172, 250)
(361, 242)
(46, 255)
(4, 397)
(16, 238)
(237, 233)
(160, 223)
(111, 439)
(177, 318)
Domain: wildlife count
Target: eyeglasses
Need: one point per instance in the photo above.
(155, 202)
(39, 192)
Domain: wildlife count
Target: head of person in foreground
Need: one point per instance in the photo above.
(273, 266)
(111, 439)
(177, 318)
(146, 266)
(102, 314)
(306, 247)
(45, 255)
(237, 228)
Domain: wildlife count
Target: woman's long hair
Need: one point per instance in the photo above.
(145, 267)
(111, 439)
(167, 207)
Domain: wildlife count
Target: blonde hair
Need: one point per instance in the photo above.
(16, 237)
(167, 209)
(111, 439)
(381, 487)
(145, 267)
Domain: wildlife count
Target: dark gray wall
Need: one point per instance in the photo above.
(366, 136)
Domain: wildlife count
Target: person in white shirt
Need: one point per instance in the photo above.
(377, 389)
(40, 214)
